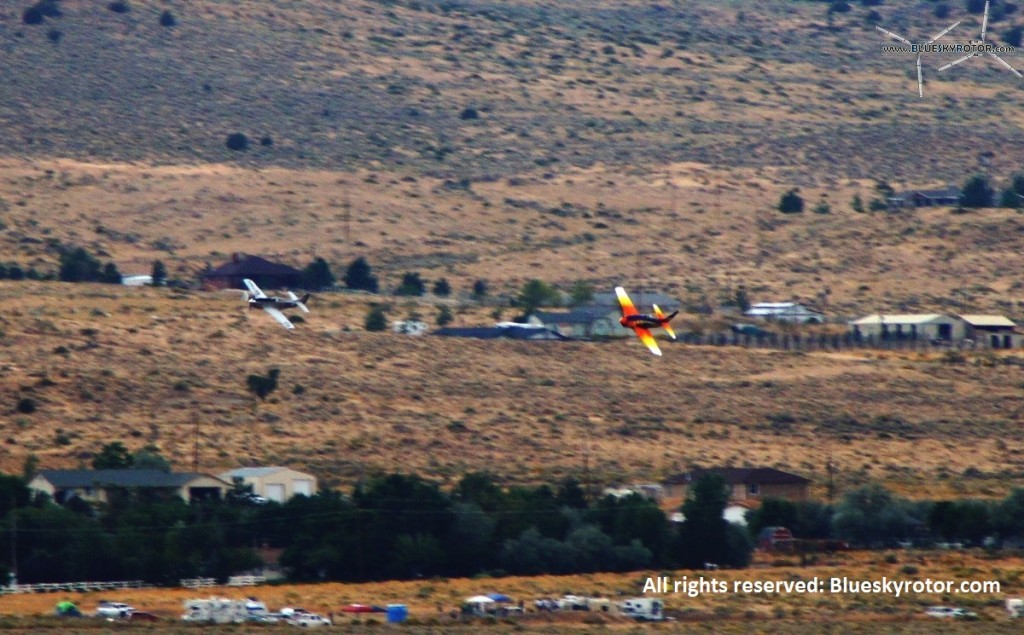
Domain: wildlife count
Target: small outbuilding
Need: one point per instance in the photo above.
(923, 326)
(994, 331)
(785, 312)
(274, 483)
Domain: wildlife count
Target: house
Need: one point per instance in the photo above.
(582, 322)
(274, 483)
(644, 300)
(600, 318)
(503, 330)
(743, 483)
(785, 312)
(99, 486)
(944, 197)
(926, 326)
(266, 274)
(994, 331)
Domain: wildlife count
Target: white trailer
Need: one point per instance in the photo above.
(646, 609)
(224, 611)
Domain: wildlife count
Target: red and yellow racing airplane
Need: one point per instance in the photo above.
(641, 323)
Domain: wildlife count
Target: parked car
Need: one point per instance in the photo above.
(309, 620)
(113, 610)
(749, 329)
(948, 611)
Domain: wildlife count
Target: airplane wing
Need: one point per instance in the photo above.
(253, 289)
(944, 31)
(625, 302)
(955, 62)
(648, 339)
(896, 37)
(661, 316)
(1004, 63)
(277, 315)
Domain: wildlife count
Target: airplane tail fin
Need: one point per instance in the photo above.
(665, 320)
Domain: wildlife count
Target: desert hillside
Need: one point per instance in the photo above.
(347, 85)
(605, 142)
(157, 366)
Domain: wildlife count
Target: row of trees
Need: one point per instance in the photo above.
(400, 526)
(871, 516)
(977, 191)
(392, 527)
(78, 265)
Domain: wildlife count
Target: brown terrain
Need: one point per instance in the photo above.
(613, 143)
(158, 366)
(606, 142)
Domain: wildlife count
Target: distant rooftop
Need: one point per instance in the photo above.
(119, 478)
(987, 320)
(905, 318)
(252, 472)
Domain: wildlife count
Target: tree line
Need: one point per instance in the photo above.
(400, 526)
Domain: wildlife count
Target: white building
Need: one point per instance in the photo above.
(785, 312)
(274, 483)
(924, 326)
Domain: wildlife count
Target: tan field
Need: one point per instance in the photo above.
(158, 366)
(604, 142)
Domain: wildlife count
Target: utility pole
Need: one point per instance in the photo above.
(830, 486)
(13, 581)
(195, 448)
(348, 221)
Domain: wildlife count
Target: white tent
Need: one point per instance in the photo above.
(479, 599)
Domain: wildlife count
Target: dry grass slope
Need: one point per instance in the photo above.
(153, 365)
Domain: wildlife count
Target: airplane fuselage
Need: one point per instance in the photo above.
(640, 320)
(277, 303)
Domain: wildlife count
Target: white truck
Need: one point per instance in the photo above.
(644, 609)
(1015, 607)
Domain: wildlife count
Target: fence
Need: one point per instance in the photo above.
(235, 580)
(83, 587)
(246, 580)
(834, 342)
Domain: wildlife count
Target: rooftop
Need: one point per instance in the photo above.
(737, 475)
(251, 472)
(906, 318)
(242, 265)
(987, 320)
(119, 478)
